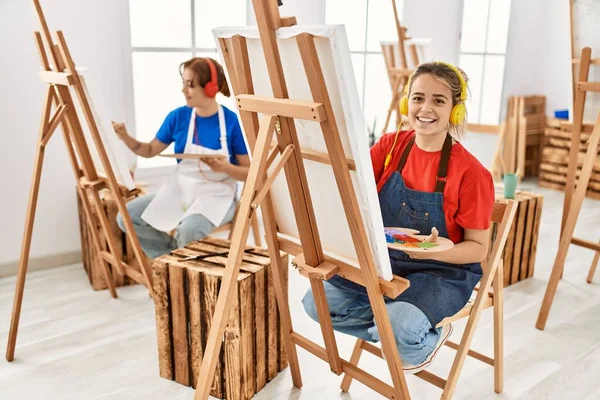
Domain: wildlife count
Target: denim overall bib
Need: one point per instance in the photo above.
(438, 289)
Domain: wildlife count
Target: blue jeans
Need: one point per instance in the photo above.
(156, 243)
(351, 313)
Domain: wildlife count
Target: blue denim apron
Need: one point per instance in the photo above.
(438, 289)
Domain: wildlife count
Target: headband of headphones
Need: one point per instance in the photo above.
(463, 83)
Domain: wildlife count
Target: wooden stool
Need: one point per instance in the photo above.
(91, 260)
(521, 245)
(185, 297)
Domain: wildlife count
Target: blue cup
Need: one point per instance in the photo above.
(510, 185)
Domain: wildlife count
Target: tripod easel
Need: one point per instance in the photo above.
(279, 114)
(574, 197)
(59, 78)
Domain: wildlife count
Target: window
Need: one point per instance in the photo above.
(164, 33)
(367, 23)
(482, 56)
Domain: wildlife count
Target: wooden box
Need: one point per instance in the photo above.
(555, 157)
(521, 245)
(91, 260)
(185, 297)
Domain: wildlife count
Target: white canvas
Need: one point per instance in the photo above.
(334, 56)
(115, 149)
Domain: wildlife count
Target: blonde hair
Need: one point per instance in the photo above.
(448, 77)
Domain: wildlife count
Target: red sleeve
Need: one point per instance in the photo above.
(378, 153)
(476, 202)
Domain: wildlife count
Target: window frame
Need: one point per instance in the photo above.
(485, 54)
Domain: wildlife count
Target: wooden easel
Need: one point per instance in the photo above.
(59, 78)
(398, 73)
(574, 197)
(279, 114)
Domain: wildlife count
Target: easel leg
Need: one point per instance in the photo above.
(354, 358)
(26, 245)
(229, 280)
(499, 328)
(569, 226)
(593, 267)
(282, 298)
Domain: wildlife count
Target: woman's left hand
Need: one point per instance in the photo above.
(421, 255)
(217, 164)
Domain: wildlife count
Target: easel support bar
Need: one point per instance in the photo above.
(56, 78)
(360, 375)
(267, 185)
(586, 243)
(298, 109)
(577, 61)
(588, 86)
(59, 114)
(391, 289)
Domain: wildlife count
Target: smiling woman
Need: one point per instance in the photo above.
(426, 180)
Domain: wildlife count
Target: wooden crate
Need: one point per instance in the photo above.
(555, 157)
(521, 245)
(91, 260)
(185, 297)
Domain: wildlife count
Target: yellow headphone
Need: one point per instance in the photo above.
(457, 115)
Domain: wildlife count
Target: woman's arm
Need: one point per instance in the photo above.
(473, 248)
(142, 149)
(238, 172)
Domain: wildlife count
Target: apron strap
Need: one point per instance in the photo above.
(440, 179)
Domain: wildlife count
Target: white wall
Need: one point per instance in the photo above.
(555, 74)
(96, 35)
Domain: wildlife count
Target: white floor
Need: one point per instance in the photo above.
(75, 343)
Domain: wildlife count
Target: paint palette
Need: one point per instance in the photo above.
(409, 241)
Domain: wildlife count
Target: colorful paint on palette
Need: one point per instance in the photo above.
(403, 239)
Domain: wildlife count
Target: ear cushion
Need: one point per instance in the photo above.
(211, 89)
(457, 116)
(404, 105)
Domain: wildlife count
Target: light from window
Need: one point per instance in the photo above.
(473, 67)
(358, 64)
(212, 14)
(157, 91)
(381, 25)
(497, 34)
(474, 26)
(159, 23)
(492, 89)
(483, 52)
(378, 93)
(339, 12)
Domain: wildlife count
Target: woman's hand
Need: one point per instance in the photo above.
(120, 130)
(217, 164)
(420, 255)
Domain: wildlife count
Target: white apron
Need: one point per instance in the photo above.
(195, 188)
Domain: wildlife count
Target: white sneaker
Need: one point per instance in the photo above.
(415, 369)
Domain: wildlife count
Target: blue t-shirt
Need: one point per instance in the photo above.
(176, 124)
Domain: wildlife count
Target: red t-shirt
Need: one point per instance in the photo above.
(469, 191)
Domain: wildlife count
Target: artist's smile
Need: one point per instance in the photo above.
(426, 120)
